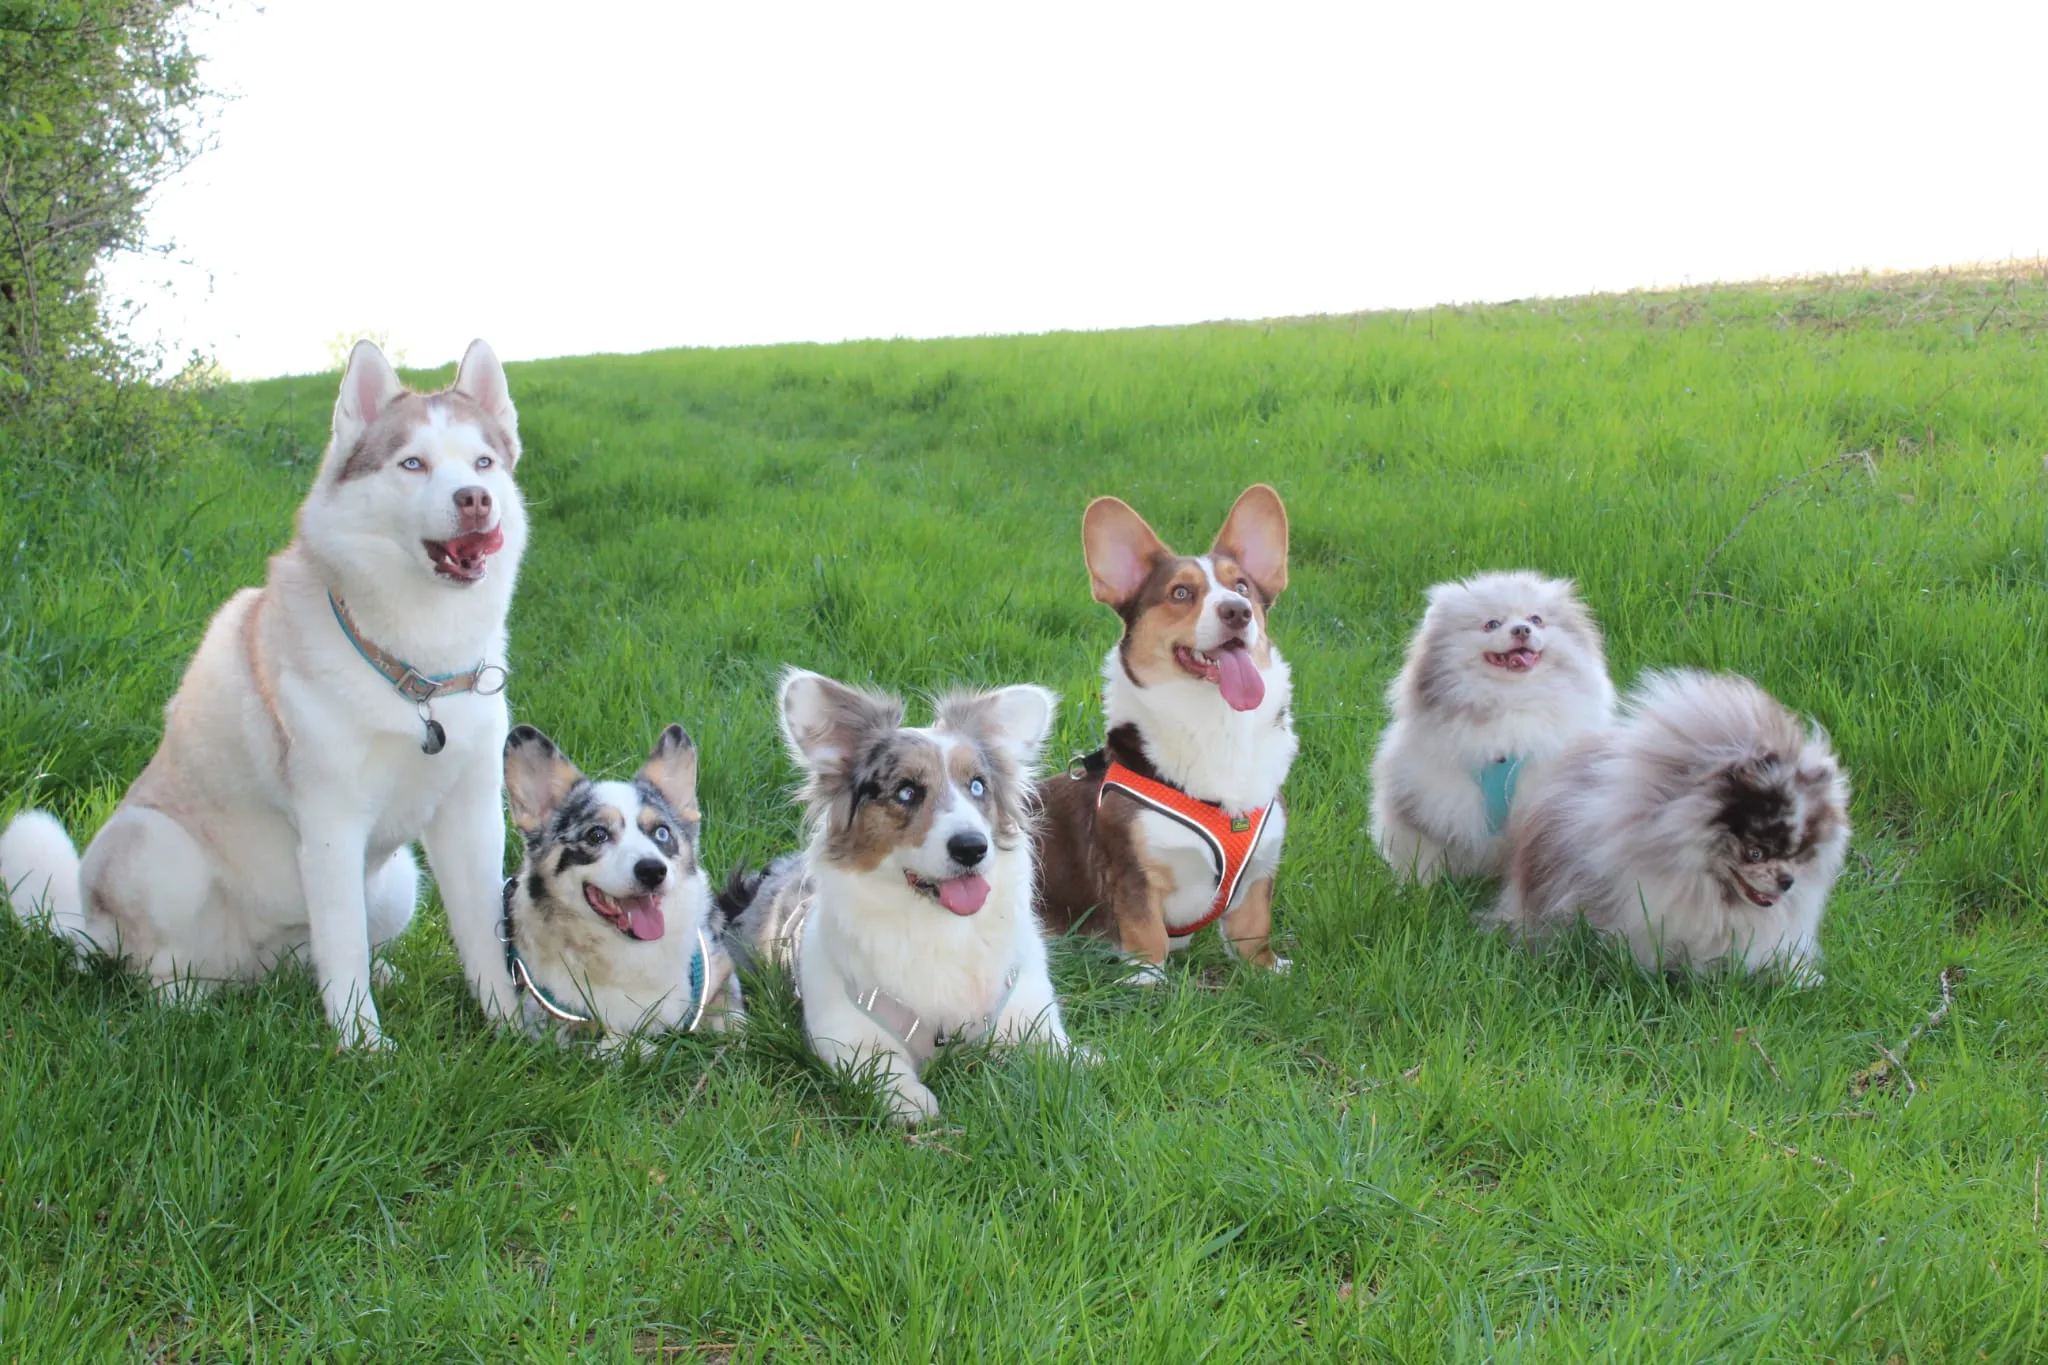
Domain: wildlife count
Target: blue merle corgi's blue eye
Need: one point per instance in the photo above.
(977, 789)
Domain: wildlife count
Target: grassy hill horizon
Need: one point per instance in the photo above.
(1421, 1144)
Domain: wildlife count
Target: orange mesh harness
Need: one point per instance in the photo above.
(1230, 838)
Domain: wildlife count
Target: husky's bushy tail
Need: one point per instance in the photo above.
(39, 874)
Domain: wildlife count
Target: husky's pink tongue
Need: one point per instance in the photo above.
(963, 895)
(1239, 679)
(477, 544)
(644, 919)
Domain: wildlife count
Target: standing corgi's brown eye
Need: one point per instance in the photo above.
(1182, 592)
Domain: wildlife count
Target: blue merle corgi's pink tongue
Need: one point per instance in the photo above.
(644, 919)
(1238, 678)
(963, 895)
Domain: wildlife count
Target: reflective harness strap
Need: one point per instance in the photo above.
(904, 1024)
(1230, 839)
(515, 967)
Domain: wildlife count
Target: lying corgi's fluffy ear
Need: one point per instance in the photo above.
(368, 386)
(537, 778)
(481, 379)
(672, 769)
(1120, 549)
(826, 723)
(1014, 720)
(1255, 535)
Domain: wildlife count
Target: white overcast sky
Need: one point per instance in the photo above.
(596, 176)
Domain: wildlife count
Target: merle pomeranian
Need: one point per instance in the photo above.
(1705, 829)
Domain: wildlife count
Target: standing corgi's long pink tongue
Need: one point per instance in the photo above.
(1239, 679)
(963, 895)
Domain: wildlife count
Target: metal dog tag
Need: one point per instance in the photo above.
(437, 738)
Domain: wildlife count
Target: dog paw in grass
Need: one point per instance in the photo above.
(1145, 974)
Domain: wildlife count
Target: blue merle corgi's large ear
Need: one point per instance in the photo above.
(537, 779)
(672, 769)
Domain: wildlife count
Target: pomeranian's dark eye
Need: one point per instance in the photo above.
(1535, 620)
(977, 789)
(662, 836)
(907, 794)
(1492, 626)
(596, 834)
(1182, 592)
(1753, 854)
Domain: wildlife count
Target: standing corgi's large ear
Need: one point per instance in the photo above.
(1120, 549)
(672, 769)
(1255, 535)
(537, 779)
(368, 387)
(481, 379)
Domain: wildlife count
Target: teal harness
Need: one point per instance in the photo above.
(524, 979)
(1497, 785)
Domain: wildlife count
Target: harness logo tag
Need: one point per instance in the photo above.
(1240, 824)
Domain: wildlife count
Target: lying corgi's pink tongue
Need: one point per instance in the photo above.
(963, 895)
(1238, 678)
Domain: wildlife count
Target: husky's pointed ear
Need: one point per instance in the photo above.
(672, 768)
(481, 379)
(1255, 535)
(1120, 549)
(826, 723)
(537, 779)
(1014, 720)
(368, 386)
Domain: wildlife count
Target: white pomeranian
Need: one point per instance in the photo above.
(1705, 828)
(1505, 671)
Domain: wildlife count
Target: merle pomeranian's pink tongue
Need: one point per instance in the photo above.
(1239, 678)
(644, 919)
(963, 895)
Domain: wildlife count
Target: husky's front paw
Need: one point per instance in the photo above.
(384, 973)
(1145, 974)
(364, 1037)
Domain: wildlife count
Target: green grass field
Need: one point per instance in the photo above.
(1421, 1144)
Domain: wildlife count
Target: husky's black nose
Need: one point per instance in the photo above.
(967, 849)
(473, 505)
(1785, 880)
(650, 871)
(1234, 612)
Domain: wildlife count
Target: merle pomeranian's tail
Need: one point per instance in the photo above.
(39, 875)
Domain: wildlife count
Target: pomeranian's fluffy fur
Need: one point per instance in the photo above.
(1705, 828)
(1505, 666)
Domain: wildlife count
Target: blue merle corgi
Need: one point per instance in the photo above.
(607, 924)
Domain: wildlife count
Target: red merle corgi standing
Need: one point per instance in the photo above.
(1176, 823)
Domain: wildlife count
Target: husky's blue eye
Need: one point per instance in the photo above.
(977, 789)
(1492, 626)
(483, 462)
(412, 462)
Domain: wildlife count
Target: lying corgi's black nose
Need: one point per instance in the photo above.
(967, 849)
(1234, 612)
(1785, 880)
(650, 871)
(473, 506)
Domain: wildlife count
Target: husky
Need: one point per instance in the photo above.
(350, 706)
(907, 922)
(607, 921)
(1177, 822)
